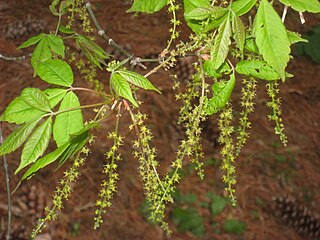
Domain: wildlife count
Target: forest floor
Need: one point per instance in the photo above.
(265, 169)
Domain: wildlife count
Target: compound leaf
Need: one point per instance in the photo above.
(312, 6)
(271, 38)
(137, 80)
(120, 85)
(17, 137)
(36, 99)
(68, 122)
(56, 72)
(36, 144)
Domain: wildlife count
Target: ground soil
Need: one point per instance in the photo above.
(265, 169)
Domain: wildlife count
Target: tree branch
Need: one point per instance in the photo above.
(10, 58)
(111, 42)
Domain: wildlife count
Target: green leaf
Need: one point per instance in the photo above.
(17, 137)
(241, 7)
(234, 226)
(66, 30)
(120, 85)
(184, 198)
(86, 128)
(239, 32)
(218, 16)
(93, 52)
(68, 122)
(311, 48)
(55, 95)
(202, 13)
(19, 112)
(64, 5)
(77, 141)
(188, 220)
(220, 49)
(56, 72)
(36, 144)
(312, 6)
(271, 38)
(190, 5)
(53, 6)
(44, 161)
(31, 41)
(295, 38)
(216, 73)
(251, 45)
(62, 153)
(41, 53)
(147, 6)
(137, 80)
(257, 68)
(56, 44)
(218, 204)
(221, 95)
(36, 99)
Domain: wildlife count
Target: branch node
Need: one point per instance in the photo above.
(101, 32)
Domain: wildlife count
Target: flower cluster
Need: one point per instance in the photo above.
(248, 90)
(148, 164)
(227, 151)
(89, 73)
(275, 105)
(108, 185)
(174, 34)
(63, 191)
(83, 15)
